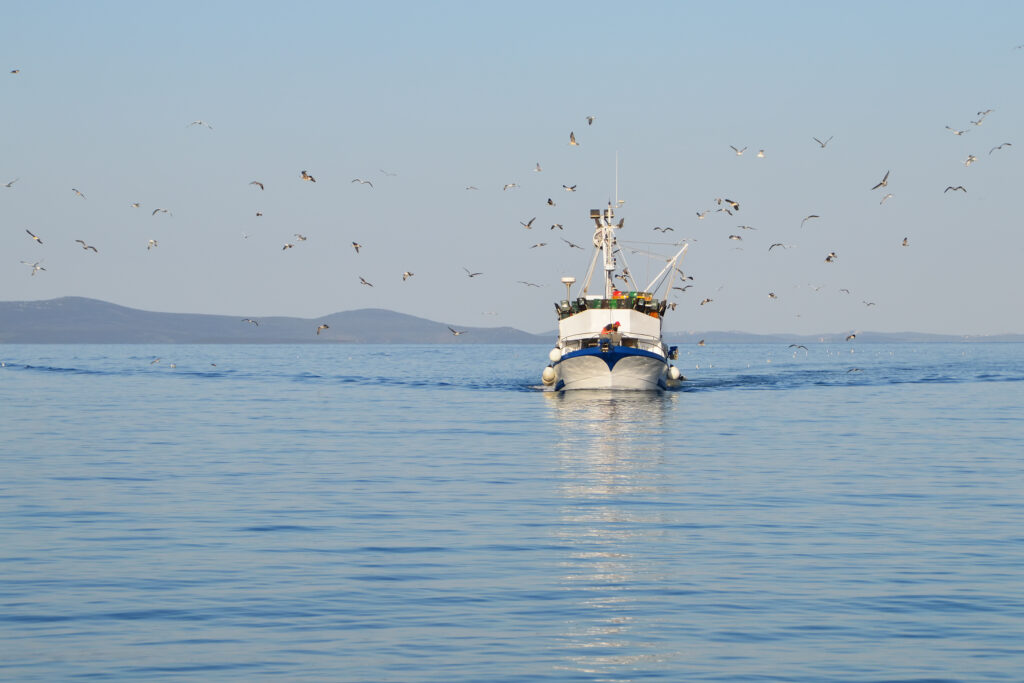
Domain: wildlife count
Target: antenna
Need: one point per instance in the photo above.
(617, 178)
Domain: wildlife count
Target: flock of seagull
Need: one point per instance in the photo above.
(723, 205)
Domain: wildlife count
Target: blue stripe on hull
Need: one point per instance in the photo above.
(612, 355)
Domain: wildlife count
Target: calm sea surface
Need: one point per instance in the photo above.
(854, 512)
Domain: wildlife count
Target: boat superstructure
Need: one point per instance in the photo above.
(610, 337)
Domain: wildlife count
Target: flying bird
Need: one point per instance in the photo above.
(356, 246)
(970, 160)
(955, 131)
(300, 237)
(528, 284)
(807, 218)
(572, 139)
(406, 275)
(777, 244)
(539, 244)
(135, 205)
(322, 326)
(509, 186)
(77, 193)
(528, 224)
(906, 242)
(557, 225)
(569, 188)
(665, 229)
(306, 176)
(363, 182)
(885, 197)
(773, 295)
(1005, 144)
(551, 202)
(200, 123)
(87, 246)
(760, 154)
(250, 320)
(831, 257)
(706, 301)
(36, 266)
(469, 273)
(33, 236)
(457, 332)
(472, 187)
(590, 120)
(537, 168)
(739, 152)
(958, 187)
(851, 337)
(571, 245)
(156, 211)
(883, 183)
(287, 245)
(257, 184)
(868, 303)
(151, 244)
(363, 281)
(823, 143)
(683, 289)
(797, 346)
(11, 183)
(735, 205)
(735, 237)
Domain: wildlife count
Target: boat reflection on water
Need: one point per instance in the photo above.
(611, 450)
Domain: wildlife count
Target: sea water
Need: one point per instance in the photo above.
(849, 512)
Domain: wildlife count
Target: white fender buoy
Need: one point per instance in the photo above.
(555, 355)
(673, 373)
(548, 376)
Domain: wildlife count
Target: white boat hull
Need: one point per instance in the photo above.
(611, 370)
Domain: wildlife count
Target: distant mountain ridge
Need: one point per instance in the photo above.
(79, 320)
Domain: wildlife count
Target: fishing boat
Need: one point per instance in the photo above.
(611, 338)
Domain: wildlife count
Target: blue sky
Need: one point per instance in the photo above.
(427, 99)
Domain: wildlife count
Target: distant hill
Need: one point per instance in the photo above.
(78, 320)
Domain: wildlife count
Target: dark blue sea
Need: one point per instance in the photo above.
(852, 512)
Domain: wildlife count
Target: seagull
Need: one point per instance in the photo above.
(135, 205)
(257, 184)
(200, 123)
(970, 160)
(1005, 144)
(760, 154)
(470, 274)
(665, 229)
(773, 295)
(287, 245)
(797, 346)
(958, 187)
(300, 237)
(11, 183)
(683, 289)
(574, 246)
(363, 281)
(356, 246)
(777, 244)
(985, 113)
(883, 183)
(151, 244)
(537, 168)
(868, 303)
(472, 187)
(258, 214)
(735, 205)
(156, 211)
(528, 224)
(33, 236)
(406, 275)
(78, 193)
(851, 337)
(706, 301)
(539, 244)
(739, 152)
(36, 266)
(572, 139)
(906, 242)
(590, 120)
(831, 257)
(250, 320)
(15, 71)
(885, 197)
(86, 246)
(955, 131)
(807, 218)
(551, 202)
(823, 143)
(569, 188)
(528, 284)
(456, 332)
(322, 326)
(388, 173)
(735, 237)
(363, 182)
(701, 342)
(306, 176)
(510, 186)
(746, 227)
(556, 225)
